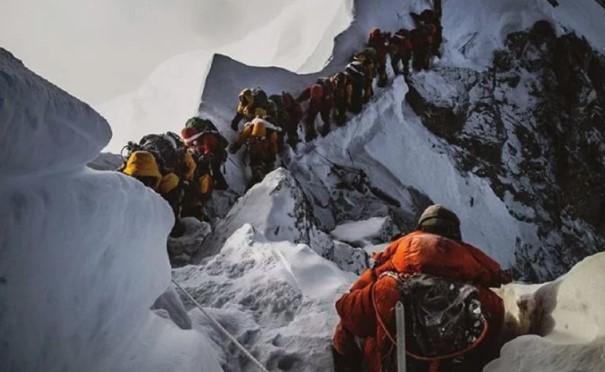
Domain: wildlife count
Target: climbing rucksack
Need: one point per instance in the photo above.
(260, 99)
(443, 316)
(339, 84)
(167, 149)
(280, 115)
(355, 72)
(201, 125)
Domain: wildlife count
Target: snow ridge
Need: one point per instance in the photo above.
(82, 253)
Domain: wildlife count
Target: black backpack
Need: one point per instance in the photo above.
(260, 98)
(355, 73)
(443, 316)
(201, 125)
(167, 149)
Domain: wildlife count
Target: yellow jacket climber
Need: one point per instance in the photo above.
(262, 143)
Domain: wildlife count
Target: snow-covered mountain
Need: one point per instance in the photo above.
(506, 129)
(471, 123)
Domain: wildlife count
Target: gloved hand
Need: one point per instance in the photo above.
(233, 148)
(234, 124)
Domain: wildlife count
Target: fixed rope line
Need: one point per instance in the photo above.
(222, 329)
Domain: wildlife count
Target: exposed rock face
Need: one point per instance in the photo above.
(533, 124)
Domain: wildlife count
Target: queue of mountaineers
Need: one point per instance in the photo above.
(452, 319)
(186, 168)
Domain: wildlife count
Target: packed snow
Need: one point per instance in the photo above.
(277, 298)
(569, 322)
(83, 253)
(366, 232)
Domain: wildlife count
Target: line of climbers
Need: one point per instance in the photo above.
(186, 169)
(347, 91)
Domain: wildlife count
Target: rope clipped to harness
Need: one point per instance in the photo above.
(222, 329)
(429, 316)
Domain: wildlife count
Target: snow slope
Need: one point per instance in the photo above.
(277, 298)
(571, 322)
(82, 253)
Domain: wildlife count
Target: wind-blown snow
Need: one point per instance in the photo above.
(42, 129)
(364, 232)
(82, 253)
(276, 297)
(571, 320)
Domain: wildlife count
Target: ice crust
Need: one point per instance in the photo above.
(42, 128)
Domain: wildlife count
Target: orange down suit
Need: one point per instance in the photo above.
(418, 252)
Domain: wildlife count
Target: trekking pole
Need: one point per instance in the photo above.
(400, 321)
(222, 329)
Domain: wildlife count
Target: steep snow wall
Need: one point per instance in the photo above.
(42, 133)
(571, 321)
(82, 253)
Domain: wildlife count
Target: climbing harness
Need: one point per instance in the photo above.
(222, 329)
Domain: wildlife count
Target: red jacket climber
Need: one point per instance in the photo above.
(378, 41)
(321, 102)
(435, 248)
